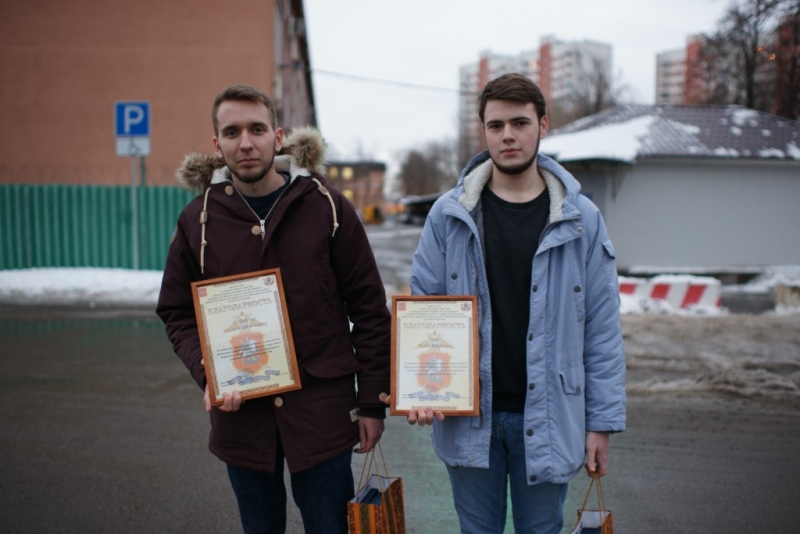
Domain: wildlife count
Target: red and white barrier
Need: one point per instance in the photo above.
(679, 291)
(637, 287)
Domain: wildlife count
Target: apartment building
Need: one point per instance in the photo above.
(670, 76)
(567, 72)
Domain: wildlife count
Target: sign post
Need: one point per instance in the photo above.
(132, 128)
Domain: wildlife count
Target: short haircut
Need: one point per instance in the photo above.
(242, 93)
(515, 87)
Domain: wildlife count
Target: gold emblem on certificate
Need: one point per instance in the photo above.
(435, 354)
(245, 335)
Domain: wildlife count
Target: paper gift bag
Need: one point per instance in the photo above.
(597, 521)
(378, 506)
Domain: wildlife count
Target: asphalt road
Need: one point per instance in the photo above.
(103, 431)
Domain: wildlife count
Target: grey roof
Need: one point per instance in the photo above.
(635, 131)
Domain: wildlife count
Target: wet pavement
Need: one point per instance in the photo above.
(103, 431)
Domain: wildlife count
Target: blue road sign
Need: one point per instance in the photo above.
(132, 119)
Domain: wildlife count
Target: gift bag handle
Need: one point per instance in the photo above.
(601, 502)
(372, 461)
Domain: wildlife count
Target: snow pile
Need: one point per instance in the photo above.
(123, 287)
(85, 286)
(746, 356)
(793, 150)
(770, 278)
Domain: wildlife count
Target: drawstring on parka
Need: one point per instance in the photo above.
(204, 218)
(302, 154)
(322, 189)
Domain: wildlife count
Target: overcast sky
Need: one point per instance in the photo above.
(425, 42)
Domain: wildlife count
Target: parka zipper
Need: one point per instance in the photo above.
(262, 222)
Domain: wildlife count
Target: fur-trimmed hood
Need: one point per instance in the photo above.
(479, 171)
(302, 154)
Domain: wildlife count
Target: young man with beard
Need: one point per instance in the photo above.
(516, 232)
(261, 210)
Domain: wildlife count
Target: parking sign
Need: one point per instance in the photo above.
(132, 128)
(133, 119)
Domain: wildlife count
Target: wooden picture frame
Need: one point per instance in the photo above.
(434, 354)
(245, 335)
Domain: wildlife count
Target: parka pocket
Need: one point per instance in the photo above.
(573, 380)
(609, 249)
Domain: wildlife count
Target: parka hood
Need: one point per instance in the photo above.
(562, 185)
(302, 154)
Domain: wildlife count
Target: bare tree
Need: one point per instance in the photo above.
(431, 169)
(592, 91)
(787, 63)
(745, 27)
(741, 61)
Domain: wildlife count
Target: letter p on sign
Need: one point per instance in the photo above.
(132, 119)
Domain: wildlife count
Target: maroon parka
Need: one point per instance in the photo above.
(330, 279)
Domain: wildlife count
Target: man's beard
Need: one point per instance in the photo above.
(251, 178)
(256, 175)
(518, 169)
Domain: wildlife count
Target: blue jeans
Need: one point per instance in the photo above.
(321, 493)
(480, 494)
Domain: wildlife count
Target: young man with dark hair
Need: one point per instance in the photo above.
(265, 205)
(517, 233)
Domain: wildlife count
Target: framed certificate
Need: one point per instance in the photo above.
(245, 335)
(435, 354)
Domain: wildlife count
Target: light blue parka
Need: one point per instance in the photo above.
(575, 356)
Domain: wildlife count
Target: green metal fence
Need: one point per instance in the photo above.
(86, 226)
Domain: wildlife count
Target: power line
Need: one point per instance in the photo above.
(300, 66)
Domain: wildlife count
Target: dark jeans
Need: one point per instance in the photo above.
(321, 493)
(479, 495)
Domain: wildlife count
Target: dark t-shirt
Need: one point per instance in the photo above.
(262, 205)
(511, 234)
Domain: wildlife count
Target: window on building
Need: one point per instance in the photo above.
(348, 194)
(333, 172)
(347, 173)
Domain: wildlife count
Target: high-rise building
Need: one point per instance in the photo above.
(670, 76)
(573, 72)
(570, 74)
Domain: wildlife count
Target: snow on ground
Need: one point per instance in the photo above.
(668, 350)
(747, 356)
(86, 286)
(770, 279)
(106, 287)
(764, 283)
